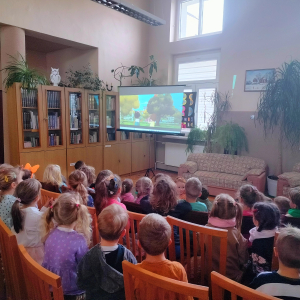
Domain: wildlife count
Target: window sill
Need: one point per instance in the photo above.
(197, 36)
(175, 137)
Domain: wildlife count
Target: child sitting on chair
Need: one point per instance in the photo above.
(126, 194)
(193, 189)
(180, 183)
(295, 203)
(284, 283)
(100, 271)
(283, 203)
(154, 238)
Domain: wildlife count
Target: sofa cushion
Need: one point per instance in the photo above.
(296, 168)
(191, 166)
(256, 172)
(293, 178)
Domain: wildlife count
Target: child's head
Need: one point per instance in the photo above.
(144, 186)
(112, 222)
(205, 193)
(9, 178)
(127, 185)
(164, 196)
(225, 207)
(154, 234)
(26, 174)
(283, 204)
(266, 216)
(103, 174)
(288, 247)
(109, 187)
(180, 183)
(294, 195)
(159, 176)
(67, 210)
(249, 195)
(78, 182)
(5, 166)
(193, 188)
(27, 193)
(52, 174)
(79, 164)
(89, 171)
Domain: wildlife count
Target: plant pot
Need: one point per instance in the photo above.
(272, 185)
(227, 152)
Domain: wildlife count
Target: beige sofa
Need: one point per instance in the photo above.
(224, 173)
(288, 180)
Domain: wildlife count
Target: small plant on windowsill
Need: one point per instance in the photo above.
(196, 135)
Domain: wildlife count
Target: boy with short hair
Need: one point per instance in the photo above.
(285, 283)
(283, 204)
(294, 195)
(193, 190)
(100, 271)
(154, 238)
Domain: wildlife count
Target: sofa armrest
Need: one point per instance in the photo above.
(259, 181)
(188, 166)
(281, 183)
(293, 178)
(255, 172)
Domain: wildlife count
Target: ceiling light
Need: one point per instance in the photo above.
(132, 11)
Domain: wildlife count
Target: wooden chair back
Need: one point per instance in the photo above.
(10, 260)
(202, 244)
(152, 286)
(196, 217)
(96, 237)
(132, 231)
(220, 283)
(40, 283)
(291, 220)
(45, 196)
(275, 263)
(134, 207)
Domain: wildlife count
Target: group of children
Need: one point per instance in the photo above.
(58, 236)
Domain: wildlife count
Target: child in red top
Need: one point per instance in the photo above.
(126, 194)
(180, 182)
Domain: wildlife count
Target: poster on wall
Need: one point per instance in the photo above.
(257, 80)
(188, 110)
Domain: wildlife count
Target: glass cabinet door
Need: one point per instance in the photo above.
(125, 136)
(75, 108)
(110, 102)
(30, 118)
(94, 118)
(137, 136)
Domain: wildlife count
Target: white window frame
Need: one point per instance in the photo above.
(178, 38)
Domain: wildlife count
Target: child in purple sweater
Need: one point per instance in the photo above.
(65, 247)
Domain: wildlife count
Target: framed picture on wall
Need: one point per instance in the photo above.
(256, 80)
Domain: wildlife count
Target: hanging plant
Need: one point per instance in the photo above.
(19, 71)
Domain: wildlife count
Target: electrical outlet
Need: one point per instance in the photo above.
(72, 164)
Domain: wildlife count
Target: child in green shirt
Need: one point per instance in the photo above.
(294, 195)
(193, 189)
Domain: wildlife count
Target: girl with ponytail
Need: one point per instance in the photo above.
(68, 242)
(108, 192)
(78, 183)
(26, 218)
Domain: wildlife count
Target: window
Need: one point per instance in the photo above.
(199, 17)
(200, 74)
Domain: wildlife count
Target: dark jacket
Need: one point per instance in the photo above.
(100, 280)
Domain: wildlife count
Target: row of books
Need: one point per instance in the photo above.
(111, 136)
(29, 98)
(110, 121)
(31, 142)
(93, 120)
(75, 138)
(93, 137)
(53, 140)
(124, 135)
(93, 101)
(75, 100)
(53, 121)
(110, 102)
(75, 120)
(30, 120)
(53, 99)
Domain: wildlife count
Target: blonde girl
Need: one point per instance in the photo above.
(78, 183)
(67, 243)
(52, 179)
(144, 188)
(227, 214)
(9, 179)
(26, 218)
(180, 183)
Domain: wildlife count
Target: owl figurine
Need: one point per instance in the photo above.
(55, 77)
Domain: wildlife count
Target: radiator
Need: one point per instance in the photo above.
(175, 153)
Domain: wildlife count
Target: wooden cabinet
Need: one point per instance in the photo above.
(140, 156)
(57, 157)
(124, 158)
(111, 120)
(94, 157)
(73, 155)
(34, 158)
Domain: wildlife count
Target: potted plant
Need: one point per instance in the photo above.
(232, 138)
(19, 71)
(279, 108)
(196, 135)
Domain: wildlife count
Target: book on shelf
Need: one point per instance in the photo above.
(110, 102)
(75, 138)
(53, 99)
(30, 120)
(110, 121)
(93, 120)
(111, 136)
(53, 121)
(29, 98)
(53, 139)
(124, 135)
(93, 102)
(93, 137)
(31, 142)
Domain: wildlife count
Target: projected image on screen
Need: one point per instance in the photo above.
(151, 112)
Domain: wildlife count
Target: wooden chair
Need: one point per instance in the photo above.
(40, 283)
(196, 217)
(291, 220)
(13, 275)
(202, 241)
(45, 196)
(130, 240)
(219, 283)
(96, 237)
(158, 287)
(134, 207)
(275, 263)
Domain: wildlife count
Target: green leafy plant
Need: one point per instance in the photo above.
(123, 71)
(232, 138)
(83, 78)
(196, 135)
(145, 82)
(19, 71)
(279, 107)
